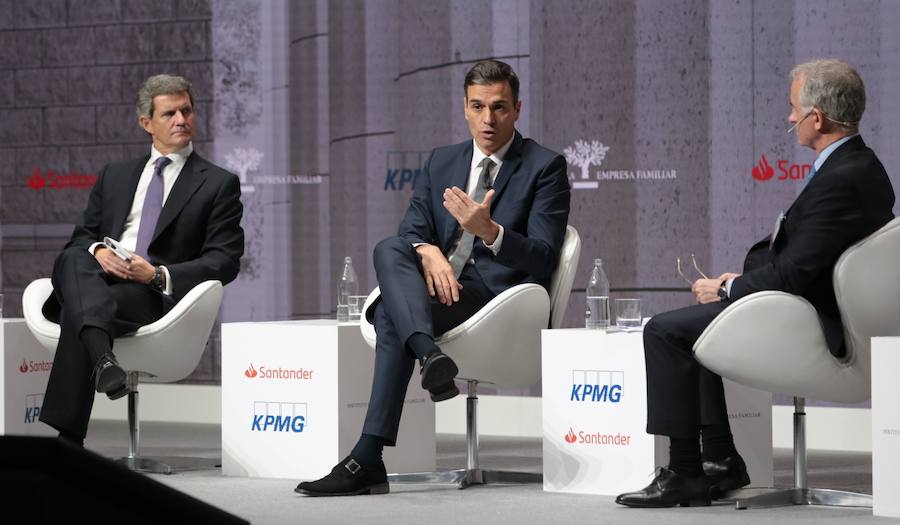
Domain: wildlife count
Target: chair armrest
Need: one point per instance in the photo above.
(774, 341)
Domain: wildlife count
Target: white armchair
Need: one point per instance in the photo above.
(165, 351)
(499, 345)
(773, 341)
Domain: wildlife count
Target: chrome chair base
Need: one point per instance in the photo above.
(464, 478)
(798, 496)
(168, 464)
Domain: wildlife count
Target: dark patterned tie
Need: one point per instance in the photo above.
(152, 206)
(463, 252)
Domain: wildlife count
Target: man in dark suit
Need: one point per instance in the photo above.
(486, 214)
(177, 217)
(847, 196)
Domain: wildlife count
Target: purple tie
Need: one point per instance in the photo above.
(152, 206)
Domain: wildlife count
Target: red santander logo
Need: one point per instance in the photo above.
(36, 181)
(784, 169)
(35, 366)
(23, 367)
(250, 371)
(570, 437)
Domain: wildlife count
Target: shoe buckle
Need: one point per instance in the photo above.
(353, 466)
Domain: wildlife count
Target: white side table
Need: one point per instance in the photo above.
(885, 426)
(595, 416)
(23, 379)
(294, 396)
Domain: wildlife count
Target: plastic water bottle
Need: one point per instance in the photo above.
(597, 314)
(347, 290)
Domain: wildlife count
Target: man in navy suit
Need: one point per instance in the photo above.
(178, 217)
(847, 197)
(486, 214)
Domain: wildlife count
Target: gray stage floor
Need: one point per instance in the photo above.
(263, 501)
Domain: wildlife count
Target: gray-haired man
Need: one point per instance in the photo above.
(847, 197)
(176, 215)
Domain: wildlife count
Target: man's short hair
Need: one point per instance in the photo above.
(835, 88)
(160, 85)
(489, 72)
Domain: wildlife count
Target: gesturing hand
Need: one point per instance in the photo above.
(474, 217)
(439, 278)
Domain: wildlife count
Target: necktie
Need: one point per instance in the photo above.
(152, 206)
(460, 256)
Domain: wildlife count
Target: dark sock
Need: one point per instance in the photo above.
(368, 450)
(72, 438)
(421, 345)
(684, 457)
(97, 342)
(718, 443)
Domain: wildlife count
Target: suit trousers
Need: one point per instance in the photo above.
(87, 296)
(682, 395)
(406, 308)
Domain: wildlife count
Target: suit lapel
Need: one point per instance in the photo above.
(192, 176)
(459, 176)
(511, 162)
(129, 187)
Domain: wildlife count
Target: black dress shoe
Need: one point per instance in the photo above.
(437, 370)
(109, 377)
(725, 475)
(669, 489)
(348, 478)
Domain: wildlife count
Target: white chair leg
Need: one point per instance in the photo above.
(801, 494)
(472, 474)
(154, 464)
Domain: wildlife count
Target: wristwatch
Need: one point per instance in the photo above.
(723, 291)
(158, 281)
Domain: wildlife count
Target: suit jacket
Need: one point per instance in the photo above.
(849, 198)
(531, 202)
(198, 235)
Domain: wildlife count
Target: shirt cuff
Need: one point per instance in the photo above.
(728, 286)
(92, 248)
(495, 248)
(168, 289)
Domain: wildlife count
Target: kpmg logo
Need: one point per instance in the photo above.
(30, 367)
(597, 386)
(597, 438)
(786, 170)
(404, 169)
(267, 372)
(584, 154)
(276, 416)
(33, 403)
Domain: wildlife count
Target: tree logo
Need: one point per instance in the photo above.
(585, 154)
(243, 161)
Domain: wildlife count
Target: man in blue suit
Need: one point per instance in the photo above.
(486, 215)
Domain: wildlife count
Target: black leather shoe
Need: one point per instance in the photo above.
(444, 392)
(348, 478)
(437, 370)
(669, 489)
(725, 475)
(109, 377)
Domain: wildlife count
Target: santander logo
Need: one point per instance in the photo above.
(250, 371)
(35, 366)
(571, 437)
(763, 170)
